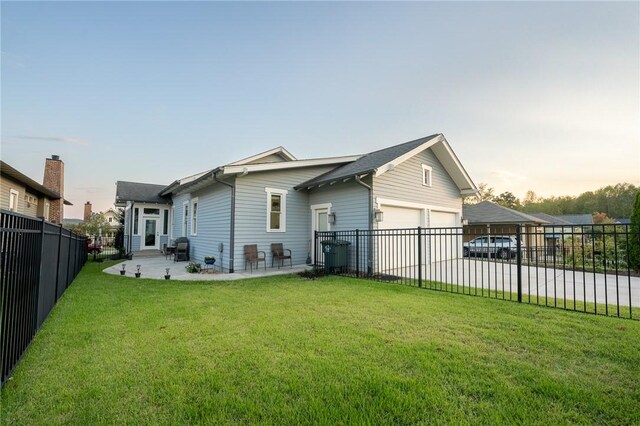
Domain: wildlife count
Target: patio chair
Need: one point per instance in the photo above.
(182, 252)
(277, 253)
(252, 255)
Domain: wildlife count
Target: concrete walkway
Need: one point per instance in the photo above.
(154, 267)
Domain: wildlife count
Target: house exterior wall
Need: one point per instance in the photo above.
(404, 183)
(349, 201)
(251, 213)
(33, 209)
(214, 222)
(178, 204)
(136, 238)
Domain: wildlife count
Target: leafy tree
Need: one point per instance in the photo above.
(119, 237)
(530, 198)
(634, 237)
(507, 199)
(486, 194)
(95, 225)
(615, 201)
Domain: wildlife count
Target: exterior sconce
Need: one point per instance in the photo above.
(378, 216)
(465, 222)
(331, 218)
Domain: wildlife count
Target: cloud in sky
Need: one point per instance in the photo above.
(65, 140)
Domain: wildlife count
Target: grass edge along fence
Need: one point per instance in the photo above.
(582, 268)
(38, 262)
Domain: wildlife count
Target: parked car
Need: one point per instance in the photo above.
(94, 248)
(498, 246)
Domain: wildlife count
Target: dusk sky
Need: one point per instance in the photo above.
(541, 96)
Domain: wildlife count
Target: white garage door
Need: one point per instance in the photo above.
(443, 219)
(444, 244)
(398, 250)
(400, 217)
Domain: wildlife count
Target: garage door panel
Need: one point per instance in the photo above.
(444, 244)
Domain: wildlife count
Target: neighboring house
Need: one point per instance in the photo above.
(488, 218)
(272, 197)
(576, 219)
(111, 216)
(21, 194)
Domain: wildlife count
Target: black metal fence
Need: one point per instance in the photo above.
(585, 268)
(106, 247)
(38, 261)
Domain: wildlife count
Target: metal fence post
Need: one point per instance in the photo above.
(39, 282)
(315, 249)
(419, 257)
(357, 253)
(519, 260)
(58, 261)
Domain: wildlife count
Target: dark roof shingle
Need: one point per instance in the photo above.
(367, 163)
(487, 212)
(140, 192)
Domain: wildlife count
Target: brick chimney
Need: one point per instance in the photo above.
(54, 180)
(87, 211)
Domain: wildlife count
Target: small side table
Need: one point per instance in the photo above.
(170, 251)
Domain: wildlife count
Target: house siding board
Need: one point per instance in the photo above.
(349, 201)
(404, 183)
(135, 243)
(177, 224)
(214, 220)
(251, 213)
(7, 186)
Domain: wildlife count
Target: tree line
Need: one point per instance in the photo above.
(614, 201)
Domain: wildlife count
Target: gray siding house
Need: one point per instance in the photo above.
(273, 197)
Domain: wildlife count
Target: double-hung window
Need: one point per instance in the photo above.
(276, 209)
(426, 175)
(13, 200)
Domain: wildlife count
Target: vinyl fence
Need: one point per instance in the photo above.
(587, 268)
(38, 261)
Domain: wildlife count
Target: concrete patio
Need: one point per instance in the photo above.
(154, 267)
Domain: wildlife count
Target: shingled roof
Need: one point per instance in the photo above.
(139, 192)
(487, 212)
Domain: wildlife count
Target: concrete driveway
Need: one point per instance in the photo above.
(569, 285)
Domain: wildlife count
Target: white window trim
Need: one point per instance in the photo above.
(162, 218)
(283, 207)
(136, 220)
(185, 221)
(194, 201)
(46, 209)
(424, 181)
(16, 194)
(172, 218)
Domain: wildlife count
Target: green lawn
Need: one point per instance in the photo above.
(333, 351)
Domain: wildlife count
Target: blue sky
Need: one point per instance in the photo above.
(540, 96)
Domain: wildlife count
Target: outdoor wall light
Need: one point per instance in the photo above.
(331, 218)
(465, 222)
(378, 215)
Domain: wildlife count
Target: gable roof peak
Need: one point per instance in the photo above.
(279, 151)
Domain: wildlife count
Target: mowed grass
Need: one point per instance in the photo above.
(287, 350)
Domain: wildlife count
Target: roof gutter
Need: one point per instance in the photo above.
(232, 219)
(370, 214)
